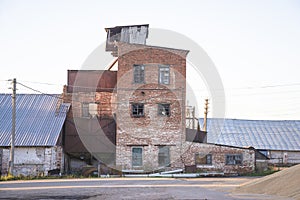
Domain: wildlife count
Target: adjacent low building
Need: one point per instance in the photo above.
(278, 140)
(39, 134)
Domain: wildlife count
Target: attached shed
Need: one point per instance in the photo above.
(218, 159)
(279, 140)
(38, 140)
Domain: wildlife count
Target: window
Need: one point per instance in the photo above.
(203, 159)
(164, 156)
(137, 110)
(164, 109)
(85, 110)
(234, 159)
(164, 75)
(137, 156)
(93, 109)
(138, 73)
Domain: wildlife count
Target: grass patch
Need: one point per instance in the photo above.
(269, 171)
(21, 177)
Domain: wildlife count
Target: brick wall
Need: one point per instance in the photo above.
(105, 101)
(219, 153)
(86, 135)
(152, 130)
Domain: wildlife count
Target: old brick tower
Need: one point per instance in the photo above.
(150, 112)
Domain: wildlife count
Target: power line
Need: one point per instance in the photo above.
(42, 83)
(61, 98)
(216, 89)
(38, 91)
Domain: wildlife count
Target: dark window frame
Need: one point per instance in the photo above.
(138, 73)
(164, 107)
(234, 159)
(137, 110)
(163, 74)
(137, 157)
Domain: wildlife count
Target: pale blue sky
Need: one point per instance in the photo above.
(253, 43)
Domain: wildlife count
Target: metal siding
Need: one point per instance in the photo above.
(260, 134)
(37, 122)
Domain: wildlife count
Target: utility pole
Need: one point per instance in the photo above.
(205, 115)
(193, 117)
(13, 129)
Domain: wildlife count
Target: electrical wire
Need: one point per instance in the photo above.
(215, 89)
(38, 91)
(42, 83)
(61, 98)
(73, 100)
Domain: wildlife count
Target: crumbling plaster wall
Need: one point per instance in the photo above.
(34, 161)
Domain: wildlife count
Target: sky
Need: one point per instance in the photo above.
(254, 44)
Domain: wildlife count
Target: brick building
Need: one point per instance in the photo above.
(132, 119)
(90, 128)
(151, 106)
(139, 110)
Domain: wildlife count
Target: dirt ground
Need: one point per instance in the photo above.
(130, 188)
(285, 183)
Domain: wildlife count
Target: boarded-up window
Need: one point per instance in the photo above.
(138, 73)
(164, 74)
(203, 159)
(234, 159)
(163, 156)
(137, 156)
(85, 110)
(164, 109)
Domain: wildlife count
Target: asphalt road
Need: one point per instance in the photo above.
(127, 188)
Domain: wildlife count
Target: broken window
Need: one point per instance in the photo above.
(85, 110)
(138, 73)
(234, 159)
(164, 74)
(137, 109)
(203, 159)
(137, 156)
(164, 156)
(164, 109)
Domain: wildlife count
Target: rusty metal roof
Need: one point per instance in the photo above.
(39, 119)
(91, 80)
(260, 134)
(118, 29)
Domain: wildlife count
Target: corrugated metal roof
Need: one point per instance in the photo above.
(38, 120)
(260, 134)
